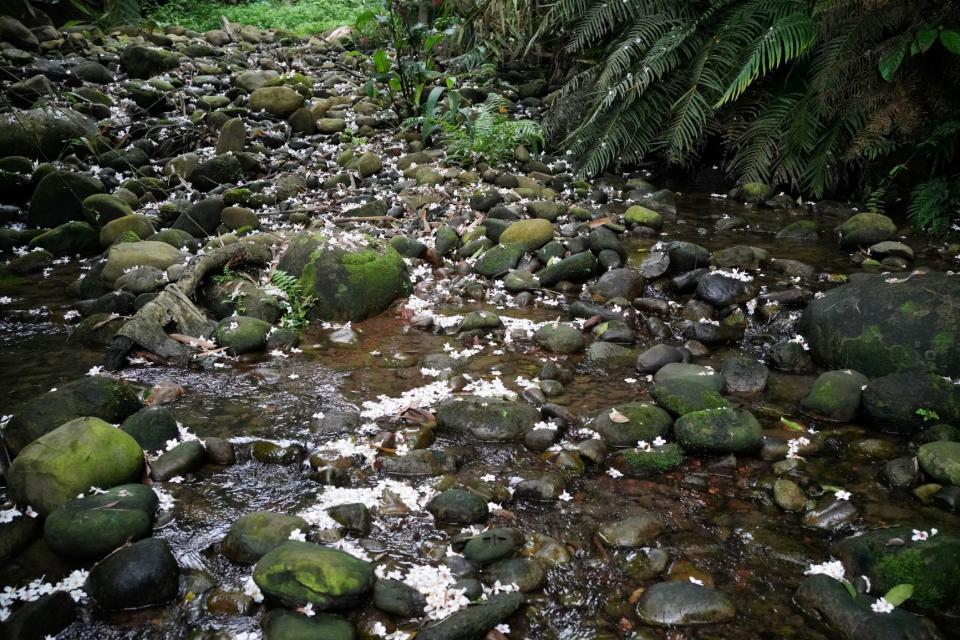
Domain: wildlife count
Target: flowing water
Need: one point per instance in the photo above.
(721, 525)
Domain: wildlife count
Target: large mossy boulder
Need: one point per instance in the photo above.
(83, 453)
(95, 525)
(300, 573)
(42, 134)
(353, 284)
(145, 62)
(529, 234)
(106, 398)
(880, 324)
(68, 239)
(280, 101)
(941, 461)
(627, 424)
(890, 557)
(59, 198)
(719, 431)
(486, 419)
(138, 226)
(242, 334)
(907, 402)
(255, 534)
(835, 395)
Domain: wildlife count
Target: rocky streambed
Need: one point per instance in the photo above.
(272, 369)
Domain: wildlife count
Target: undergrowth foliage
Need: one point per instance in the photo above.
(295, 303)
(490, 135)
(819, 95)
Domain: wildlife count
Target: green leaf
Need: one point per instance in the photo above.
(899, 594)
(891, 62)
(950, 39)
(790, 424)
(381, 63)
(925, 38)
(850, 589)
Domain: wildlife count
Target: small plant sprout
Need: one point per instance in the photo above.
(928, 415)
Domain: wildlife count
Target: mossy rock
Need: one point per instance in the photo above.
(648, 463)
(300, 573)
(683, 396)
(719, 431)
(43, 134)
(102, 208)
(152, 427)
(145, 62)
(753, 192)
(799, 231)
(903, 402)
(559, 338)
(140, 226)
(83, 453)
(575, 268)
(498, 260)
(95, 525)
(646, 422)
(835, 395)
(353, 284)
(865, 229)
(98, 329)
(68, 239)
(941, 461)
(641, 216)
(932, 566)
(242, 334)
(458, 506)
(280, 624)
(98, 396)
(475, 621)
(254, 534)
(486, 419)
(529, 234)
(148, 253)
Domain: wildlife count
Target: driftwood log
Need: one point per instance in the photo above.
(173, 311)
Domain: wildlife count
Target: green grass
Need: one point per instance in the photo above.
(302, 17)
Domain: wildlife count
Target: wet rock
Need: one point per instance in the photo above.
(184, 458)
(59, 198)
(233, 135)
(212, 173)
(474, 622)
(624, 283)
(95, 525)
(744, 375)
(83, 453)
(830, 514)
(14, 32)
(42, 134)
(890, 557)
(486, 418)
(42, 618)
(421, 462)
(789, 355)
(559, 338)
(140, 575)
(643, 463)
(546, 210)
(901, 473)
(865, 229)
(686, 256)
(457, 506)
(690, 372)
(542, 488)
(880, 324)
(255, 534)
(98, 396)
(788, 495)
(719, 431)
(641, 216)
(631, 532)
(799, 231)
(398, 599)
(941, 461)
(119, 229)
(368, 164)
(835, 395)
(722, 290)
(299, 573)
(493, 545)
(903, 402)
(658, 356)
(528, 574)
(826, 598)
(627, 424)
(669, 604)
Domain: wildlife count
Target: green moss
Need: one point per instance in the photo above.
(303, 18)
(237, 196)
(930, 587)
(943, 342)
(660, 460)
(910, 308)
(871, 348)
